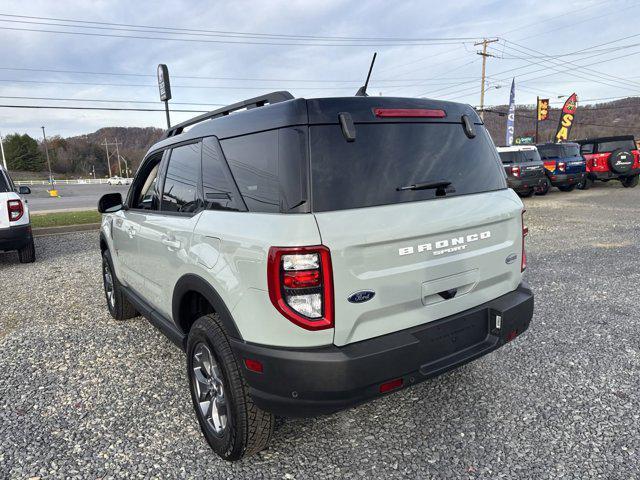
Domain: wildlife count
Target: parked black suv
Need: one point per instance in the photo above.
(524, 169)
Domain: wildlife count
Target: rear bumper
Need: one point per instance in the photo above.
(309, 382)
(566, 179)
(608, 175)
(14, 238)
(522, 185)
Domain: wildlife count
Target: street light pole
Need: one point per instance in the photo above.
(46, 149)
(4, 159)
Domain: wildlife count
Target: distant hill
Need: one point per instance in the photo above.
(80, 154)
(619, 117)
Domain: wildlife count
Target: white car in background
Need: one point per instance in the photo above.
(15, 227)
(119, 181)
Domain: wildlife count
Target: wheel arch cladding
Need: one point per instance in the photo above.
(103, 243)
(186, 306)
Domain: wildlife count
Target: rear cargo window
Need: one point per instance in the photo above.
(4, 184)
(388, 156)
(605, 147)
(519, 156)
(270, 169)
(559, 151)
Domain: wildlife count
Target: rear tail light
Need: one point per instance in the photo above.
(408, 113)
(562, 166)
(525, 232)
(15, 209)
(301, 285)
(515, 171)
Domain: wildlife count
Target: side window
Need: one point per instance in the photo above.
(144, 194)
(586, 149)
(271, 169)
(180, 191)
(253, 160)
(218, 186)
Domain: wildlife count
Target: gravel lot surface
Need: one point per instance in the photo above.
(83, 396)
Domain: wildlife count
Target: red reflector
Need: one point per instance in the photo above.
(302, 278)
(253, 365)
(390, 385)
(511, 335)
(409, 113)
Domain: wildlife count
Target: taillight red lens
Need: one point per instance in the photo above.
(15, 209)
(525, 232)
(300, 283)
(408, 113)
(253, 365)
(562, 166)
(515, 171)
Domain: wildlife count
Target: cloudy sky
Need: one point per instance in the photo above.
(219, 52)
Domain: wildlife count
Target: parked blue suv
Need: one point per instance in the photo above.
(564, 166)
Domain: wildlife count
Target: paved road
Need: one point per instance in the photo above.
(83, 396)
(76, 197)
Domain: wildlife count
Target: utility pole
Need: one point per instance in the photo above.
(4, 159)
(537, 117)
(46, 149)
(118, 158)
(484, 55)
(106, 145)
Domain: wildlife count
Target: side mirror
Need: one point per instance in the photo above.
(109, 203)
(22, 190)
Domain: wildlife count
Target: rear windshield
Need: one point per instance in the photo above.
(604, 147)
(559, 151)
(4, 184)
(385, 157)
(520, 156)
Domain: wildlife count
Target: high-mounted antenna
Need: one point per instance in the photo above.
(362, 91)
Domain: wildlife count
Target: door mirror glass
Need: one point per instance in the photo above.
(109, 203)
(22, 190)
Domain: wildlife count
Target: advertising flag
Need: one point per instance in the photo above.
(567, 116)
(511, 117)
(543, 109)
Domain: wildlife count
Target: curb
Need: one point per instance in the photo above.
(38, 232)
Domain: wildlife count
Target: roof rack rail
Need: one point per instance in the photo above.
(261, 101)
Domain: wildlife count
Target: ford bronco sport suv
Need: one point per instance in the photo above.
(310, 255)
(15, 229)
(524, 169)
(564, 165)
(611, 158)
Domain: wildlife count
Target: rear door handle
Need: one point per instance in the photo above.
(171, 244)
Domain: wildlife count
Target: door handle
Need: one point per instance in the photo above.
(171, 244)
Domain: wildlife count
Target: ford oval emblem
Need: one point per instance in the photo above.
(360, 297)
(511, 258)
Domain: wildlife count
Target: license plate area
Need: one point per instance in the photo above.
(450, 336)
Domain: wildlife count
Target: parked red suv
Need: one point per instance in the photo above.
(611, 158)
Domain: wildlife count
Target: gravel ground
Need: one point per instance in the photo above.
(83, 396)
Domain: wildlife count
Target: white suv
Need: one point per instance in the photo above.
(15, 229)
(310, 255)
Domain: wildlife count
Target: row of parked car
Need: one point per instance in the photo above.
(535, 169)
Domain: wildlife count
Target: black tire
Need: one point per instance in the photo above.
(118, 304)
(246, 429)
(605, 180)
(585, 184)
(567, 188)
(629, 182)
(621, 161)
(545, 188)
(27, 254)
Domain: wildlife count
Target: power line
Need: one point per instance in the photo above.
(240, 34)
(105, 100)
(115, 109)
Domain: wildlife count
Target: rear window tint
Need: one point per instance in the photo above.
(604, 147)
(270, 169)
(519, 156)
(387, 156)
(4, 184)
(558, 151)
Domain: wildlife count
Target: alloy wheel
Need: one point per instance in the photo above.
(208, 385)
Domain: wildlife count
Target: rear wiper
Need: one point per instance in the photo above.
(438, 186)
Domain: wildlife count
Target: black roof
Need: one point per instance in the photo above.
(554, 143)
(604, 139)
(281, 109)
